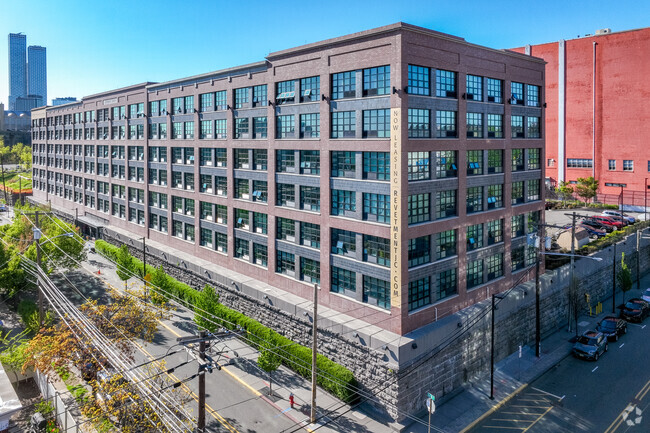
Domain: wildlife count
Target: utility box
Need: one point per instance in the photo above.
(564, 239)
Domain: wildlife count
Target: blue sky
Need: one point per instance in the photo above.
(93, 46)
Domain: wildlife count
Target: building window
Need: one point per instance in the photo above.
(446, 124)
(344, 85)
(310, 235)
(518, 160)
(447, 284)
(205, 101)
(376, 250)
(285, 263)
(495, 161)
(241, 158)
(310, 125)
(285, 92)
(419, 123)
(532, 189)
(533, 159)
(446, 164)
(419, 251)
(495, 90)
(260, 98)
(376, 292)
(241, 97)
(474, 273)
(222, 214)
(221, 157)
(445, 244)
(419, 293)
(517, 258)
(260, 254)
(205, 211)
(310, 89)
(219, 128)
(517, 93)
(445, 84)
(260, 127)
(376, 207)
(241, 249)
(177, 130)
(446, 204)
(474, 162)
(242, 219)
(206, 129)
(343, 280)
(310, 198)
(343, 202)
(418, 80)
(309, 270)
(612, 165)
(494, 266)
(418, 166)
(474, 199)
(517, 196)
(495, 231)
(189, 104)
(517, 226)
(532, 95)
(517, 126)
(310, 162)
(586, 163)
(343, 242)
(343, 164)
(241, 127)
(285, 161)
(286, 195)
(220, 101)
(376, 165)
(628, 165)
(376, 81)
(495, 125)
(533, 127)
(343, 124)
(376, 123)
(474, 88)
(474, 125)
(474, 237)
(260, 223)
(495, 196)
(419, 208)
(242, 189)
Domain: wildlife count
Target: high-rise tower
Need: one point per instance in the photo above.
(17, 67)
(37, 72)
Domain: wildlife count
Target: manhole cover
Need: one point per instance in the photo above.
(583, 324)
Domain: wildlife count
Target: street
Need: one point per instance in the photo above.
(609, 395)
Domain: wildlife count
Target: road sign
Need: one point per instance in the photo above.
(431, 396)
(431, 405)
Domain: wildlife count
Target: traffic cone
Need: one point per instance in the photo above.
(99, 271)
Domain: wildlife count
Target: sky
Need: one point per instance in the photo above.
(94, 46)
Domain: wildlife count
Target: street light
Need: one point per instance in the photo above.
(67, 235)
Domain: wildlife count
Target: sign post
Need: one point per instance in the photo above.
(431, 407)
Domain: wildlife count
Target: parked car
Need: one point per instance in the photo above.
(646, 295)
(608, 220)
(635, 310)
(617, 214)
(3, 208)
(594, 233)
(590, 345)
(598, 225)
(612, 327)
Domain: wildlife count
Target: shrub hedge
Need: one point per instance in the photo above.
(335, 378)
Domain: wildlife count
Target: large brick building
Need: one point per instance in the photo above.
(596, 91)
(399, 167)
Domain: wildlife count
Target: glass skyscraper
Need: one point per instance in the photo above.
(17, 67)
(37, 72)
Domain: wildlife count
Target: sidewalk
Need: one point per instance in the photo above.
(458, 414)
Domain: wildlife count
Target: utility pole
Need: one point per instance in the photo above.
(638, 259)
(201, 420)
(41, 301)
(572, 288)
(538, 331)
(492, 351)
(313, 357)
(614, 282)
(144, 269)
(4, 186)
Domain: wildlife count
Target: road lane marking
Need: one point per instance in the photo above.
(500, 427)
(595, 368)
(643, 327)
(547, 393)
(619, 419)
(494, 408)
(621, 345)
(540, 417)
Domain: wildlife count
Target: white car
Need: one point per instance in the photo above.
(617, 214)
(646, 295)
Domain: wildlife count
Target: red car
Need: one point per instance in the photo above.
(607, 220)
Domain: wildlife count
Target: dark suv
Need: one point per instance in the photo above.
(635, 310)
(612, 327)
(590, 345)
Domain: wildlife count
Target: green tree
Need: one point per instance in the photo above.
(624, 277)
(124, 262)
(269, 360)
(587, 188)
(160, 286)
(205, 311)
(564, 191)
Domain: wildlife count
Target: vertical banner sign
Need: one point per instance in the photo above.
(396, 207)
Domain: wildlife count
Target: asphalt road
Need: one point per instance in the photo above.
(610, 395)
(231, 405)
